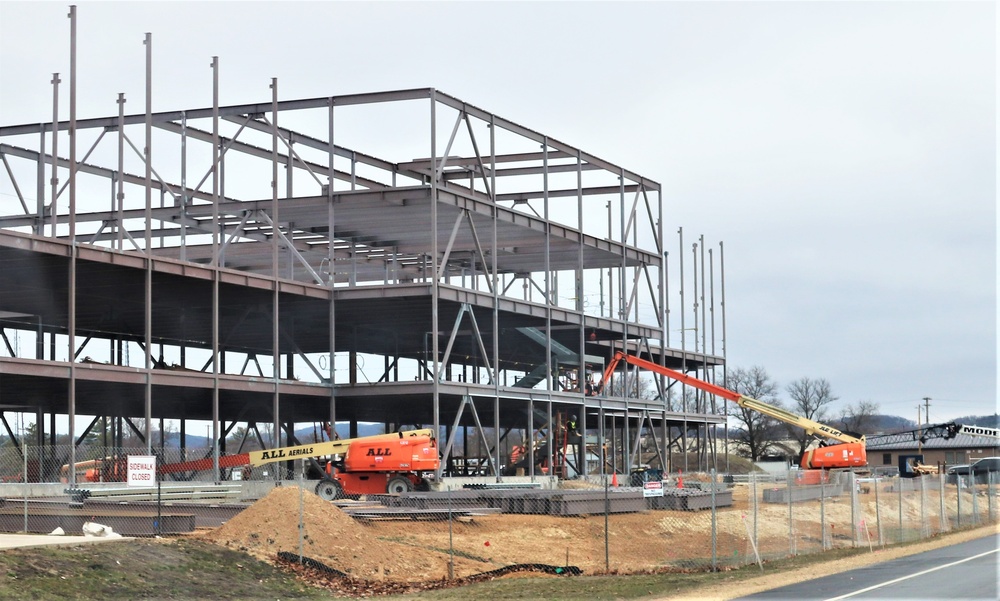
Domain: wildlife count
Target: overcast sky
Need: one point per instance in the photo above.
(844, 152)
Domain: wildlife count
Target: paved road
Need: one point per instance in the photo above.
(967, 570)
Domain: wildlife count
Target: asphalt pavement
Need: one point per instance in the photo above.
(966, 570)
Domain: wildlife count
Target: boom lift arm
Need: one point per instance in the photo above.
(850, 453)
(925, 433)
(976, 431)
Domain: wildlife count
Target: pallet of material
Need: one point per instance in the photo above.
(686, 499)
(190, 492)
(802, 493)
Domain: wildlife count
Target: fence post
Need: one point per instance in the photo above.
(925, 527)
(451, 542)
(899, 486)
(755, 511)
(945, 525)
(715, 557)
(822, 513)
(878, 514)
(607, 510)
(975, 499)
(789, 485)
(24, 480)
(302, 507)
(958, 497)
(159, 506)
(990, 502)
(852, 479)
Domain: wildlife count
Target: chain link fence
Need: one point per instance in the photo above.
(464, 528)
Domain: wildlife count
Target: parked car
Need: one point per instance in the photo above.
(963, 469)
(982, 470)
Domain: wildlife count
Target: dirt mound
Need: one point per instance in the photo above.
(272, 524)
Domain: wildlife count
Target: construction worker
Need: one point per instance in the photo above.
(575, 440)
(572, 428)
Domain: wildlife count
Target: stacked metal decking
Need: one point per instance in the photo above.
(690, 499)
(558, 502)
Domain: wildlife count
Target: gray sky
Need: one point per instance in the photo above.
(845, 152)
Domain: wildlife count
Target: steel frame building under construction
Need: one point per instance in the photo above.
(399, 257)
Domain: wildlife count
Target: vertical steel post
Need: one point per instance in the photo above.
(54, 179)
(582, 378)
(704, 307)
(148, 334)
(71, 318)
(680, 255)
(275, 237)
(611, 281)
(184, 188)
(216, 235)
(725, 366)
(331, 259)
(711, 309)
(495, 313)
(120, 179)
(547, 266)
(435, 292)
(39, 228)
(699, 396)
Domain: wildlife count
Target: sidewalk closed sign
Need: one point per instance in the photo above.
(141, 470)
(653, 488)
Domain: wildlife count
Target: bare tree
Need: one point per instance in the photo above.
(810, 400)
(859, 418)
(758, 433)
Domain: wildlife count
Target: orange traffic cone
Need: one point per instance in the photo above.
(680, 479)
(614, 480)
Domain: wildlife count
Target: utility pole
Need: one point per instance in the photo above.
(927, 420)
(920, 438)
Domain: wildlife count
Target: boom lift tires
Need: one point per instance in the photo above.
(399, 485)
(329, 490)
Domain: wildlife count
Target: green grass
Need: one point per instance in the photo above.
(185, 569)
(143, 569)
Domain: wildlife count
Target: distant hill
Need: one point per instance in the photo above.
(891, 423)
(986, 421)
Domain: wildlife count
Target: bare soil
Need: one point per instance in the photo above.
(422, 550)
(668, 552)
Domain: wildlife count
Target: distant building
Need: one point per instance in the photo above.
(942, 452)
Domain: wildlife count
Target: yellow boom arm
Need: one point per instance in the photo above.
(331, 447)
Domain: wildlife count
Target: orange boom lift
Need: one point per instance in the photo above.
(847, 452)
